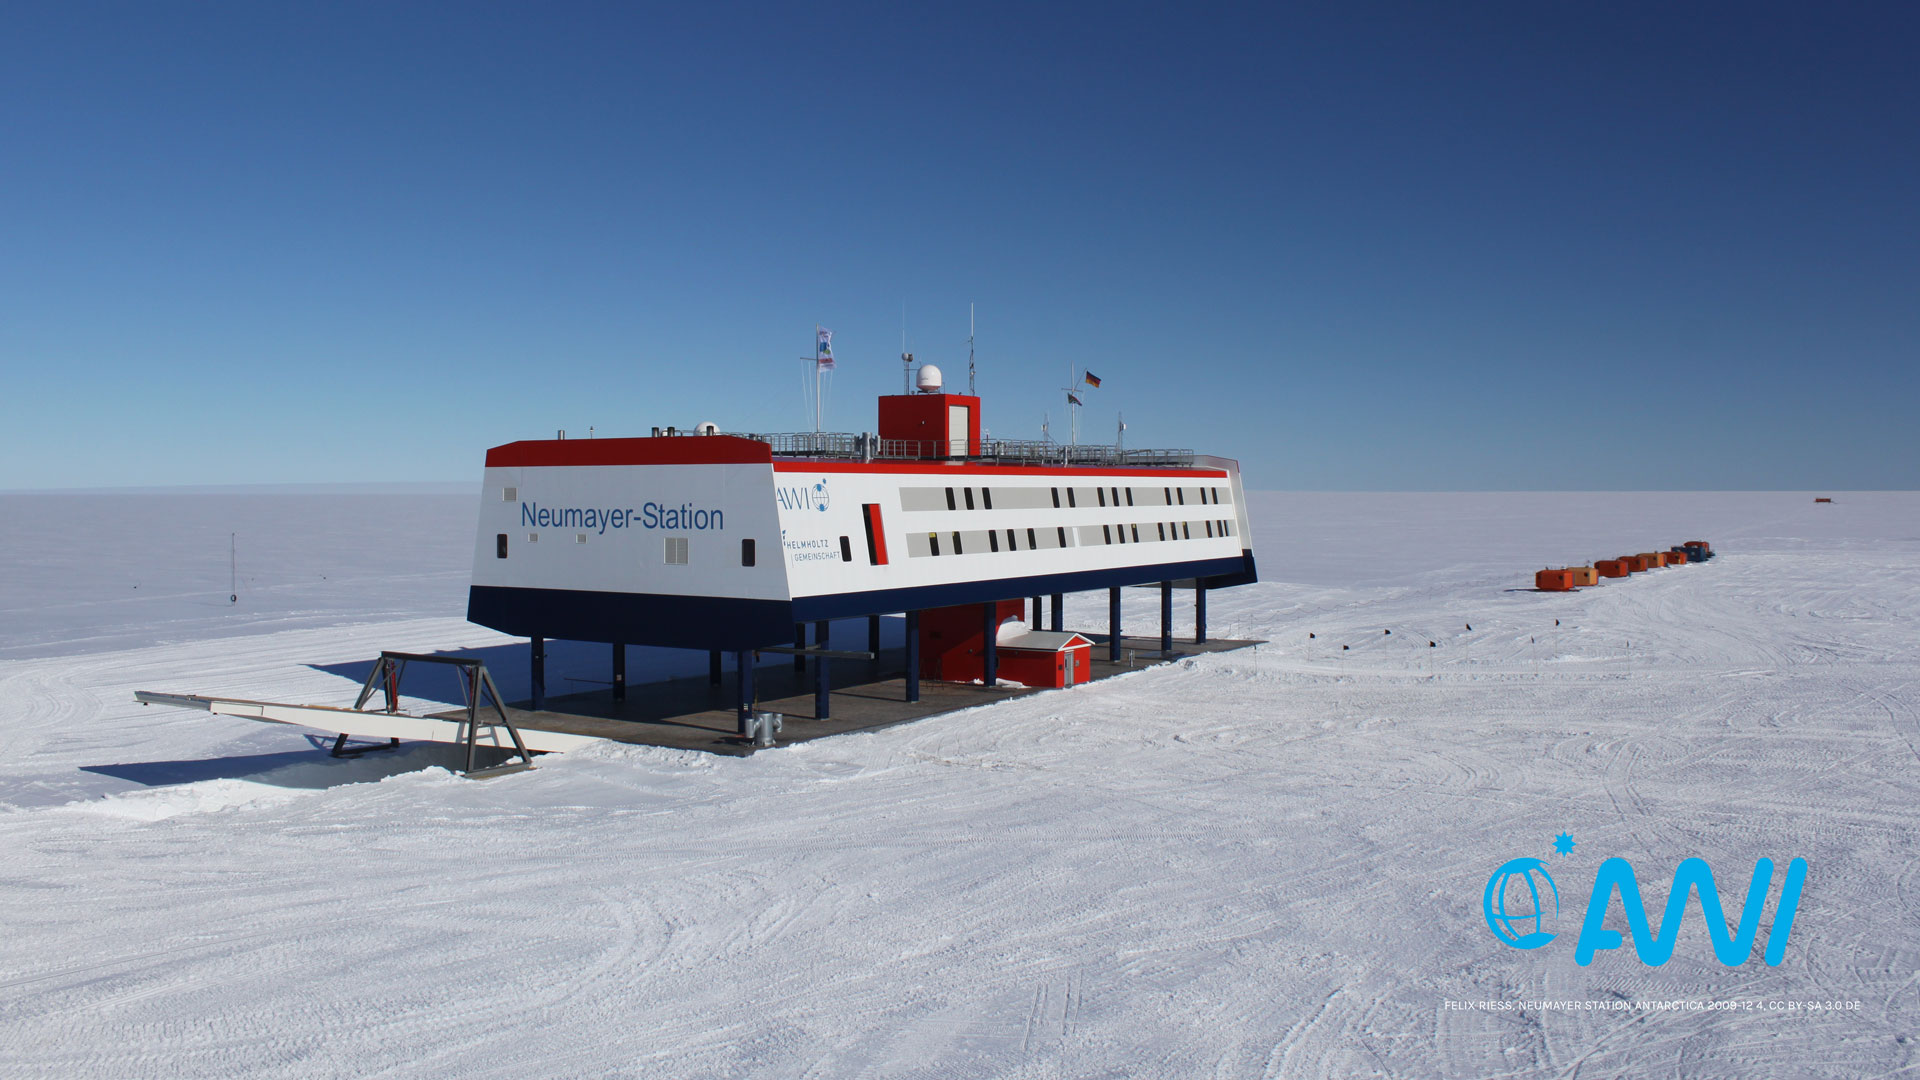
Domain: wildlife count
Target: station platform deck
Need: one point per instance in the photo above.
(693, 714)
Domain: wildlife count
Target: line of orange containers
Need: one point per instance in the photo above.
(1567, 578)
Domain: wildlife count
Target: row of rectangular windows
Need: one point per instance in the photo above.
(673, 549)
(1036, 498)
(981, 541)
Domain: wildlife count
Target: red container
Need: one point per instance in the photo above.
(1610, 568)
(1676, 558)
(1634, 563)
(953, 639)
(1554, 581)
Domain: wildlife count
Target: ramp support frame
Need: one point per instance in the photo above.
(476, 684)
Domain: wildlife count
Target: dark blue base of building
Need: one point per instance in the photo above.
(731, 625)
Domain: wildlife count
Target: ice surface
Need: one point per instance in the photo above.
(1262, 863)
(91, 572)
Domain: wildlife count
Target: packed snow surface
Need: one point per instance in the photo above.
(1261, 863)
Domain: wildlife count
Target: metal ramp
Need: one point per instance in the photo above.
(472, 731)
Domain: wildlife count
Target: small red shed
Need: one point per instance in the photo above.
(1046, 658)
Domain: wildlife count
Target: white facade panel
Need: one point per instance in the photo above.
(674, 529)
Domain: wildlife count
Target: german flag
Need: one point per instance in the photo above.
(1092, 379)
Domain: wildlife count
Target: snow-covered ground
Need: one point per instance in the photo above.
(1261, 863)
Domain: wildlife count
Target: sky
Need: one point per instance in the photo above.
(1355, 246)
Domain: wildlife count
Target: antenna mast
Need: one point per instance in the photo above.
(1073, 404)
(822, 365)
(906, 358)
(970, 389)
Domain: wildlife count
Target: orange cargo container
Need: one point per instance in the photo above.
(1676, 558)
(1655, 559)
(1610, 568)
(1702, 544)
(1583, 575)
(1553, 580)
(1634, 563)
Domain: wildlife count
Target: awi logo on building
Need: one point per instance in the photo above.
(814, 497)
(1522, 901)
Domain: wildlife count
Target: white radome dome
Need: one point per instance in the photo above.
(928, 379)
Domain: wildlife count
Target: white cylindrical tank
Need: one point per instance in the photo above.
(929, 379)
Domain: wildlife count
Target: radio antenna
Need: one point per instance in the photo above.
(970, 390)
(906, 358)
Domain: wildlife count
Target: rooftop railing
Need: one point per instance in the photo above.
(846, 446)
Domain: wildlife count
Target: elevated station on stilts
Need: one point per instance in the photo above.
(738, 544)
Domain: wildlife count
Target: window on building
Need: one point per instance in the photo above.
(746, 552)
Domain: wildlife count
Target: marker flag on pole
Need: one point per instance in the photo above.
(823, 347)
(1092, 379)
(1071, 400)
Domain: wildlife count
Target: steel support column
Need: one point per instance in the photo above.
(1166, 617)
(538, 653)
(800, 642)
(913, 656)
(1199, 613)
(743, 670)
(873, 637)
(1039, 612)
(713, 667)
(619, 671)
(990, 647)
(1113, 625)
(1058, 604)
(822, 673)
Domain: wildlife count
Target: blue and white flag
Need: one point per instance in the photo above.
(823, 347)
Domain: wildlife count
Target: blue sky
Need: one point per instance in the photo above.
(1364, 247)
